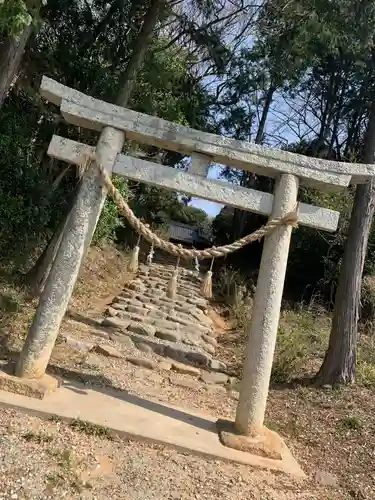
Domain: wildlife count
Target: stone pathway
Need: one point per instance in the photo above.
(177, 329)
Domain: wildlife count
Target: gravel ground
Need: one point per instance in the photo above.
(52, 460)
(330, 433)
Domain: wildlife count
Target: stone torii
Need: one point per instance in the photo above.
(288, 169)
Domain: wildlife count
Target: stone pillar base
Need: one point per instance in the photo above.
(33, 388)
(267, 444)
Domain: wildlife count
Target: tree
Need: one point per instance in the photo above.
(339, 365)
(39, 273)
(17, 20)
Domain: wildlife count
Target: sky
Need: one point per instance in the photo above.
(211, 208)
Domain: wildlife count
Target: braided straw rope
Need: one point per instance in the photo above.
(290, 219)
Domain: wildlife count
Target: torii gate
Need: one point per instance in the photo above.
(290, 171)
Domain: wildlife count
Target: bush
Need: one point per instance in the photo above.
(302, 338)
(110, 219)
(29, 206)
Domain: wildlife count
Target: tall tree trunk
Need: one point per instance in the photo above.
(263, 119)
(11, 53)
(139, 51)
(339, 365)
(240, 216)
(128, 79)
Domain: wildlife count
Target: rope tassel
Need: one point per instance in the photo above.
(206, 287)
(133, 263)
(172, 285)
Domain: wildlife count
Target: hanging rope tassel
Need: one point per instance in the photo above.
(150, 255)
(206, 287)
(196, 265)
(133, 263)
(172, 285)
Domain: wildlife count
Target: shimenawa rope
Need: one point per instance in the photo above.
(290, 219)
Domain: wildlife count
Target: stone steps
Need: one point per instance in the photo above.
(177, 328)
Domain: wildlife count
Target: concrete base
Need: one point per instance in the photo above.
(33, 388)
(142, 419)
(267, 444)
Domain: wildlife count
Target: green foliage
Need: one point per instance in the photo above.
(351, 423)
(110, 220)
(16, 15)
(302, 336)
(27, 199)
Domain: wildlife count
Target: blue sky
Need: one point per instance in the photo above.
(211, 208)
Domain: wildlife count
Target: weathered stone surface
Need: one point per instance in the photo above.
(157, 314)
(215, 364)
(144, 347)
(124, 340)
(137, 287)
(137, 310)
(185, 369)
(175, 352)
(173, 336)
(144, 362)
(268, 444)
(79, 345)
(182, 309)
(143, 298)
(197, 302)
(208, 347)
(128, 294)
(110, 311)
(210, 340)
(214, 378)
(131, 317)
(165, 365)
(119, 306)
(182, 321)
(108, 350)
(205, 319)
(142, 329)
(33, 388)
(119, 323)
(190, 339)
(199, 358)
(186, 383)
(162, 324)
(215, 388)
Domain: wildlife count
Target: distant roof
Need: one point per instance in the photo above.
(183, 232)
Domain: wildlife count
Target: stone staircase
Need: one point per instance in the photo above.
(178, 329)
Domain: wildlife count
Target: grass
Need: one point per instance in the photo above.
(351, 423)
(37, 438)
(91, 429)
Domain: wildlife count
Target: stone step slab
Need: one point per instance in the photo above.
(128, 316)
(214, 378)
(127, 294)
(110, 311)
(141, 311)
(124, 340)
(185, 369)
(108, 350)
(142, 329)
(209, 340)
(208, 348)
(164, 324)
(192, 340)
(158, 314)
(118, 323)
(143, 362)
(171, 335)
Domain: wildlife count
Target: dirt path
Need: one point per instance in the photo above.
(330, 433)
